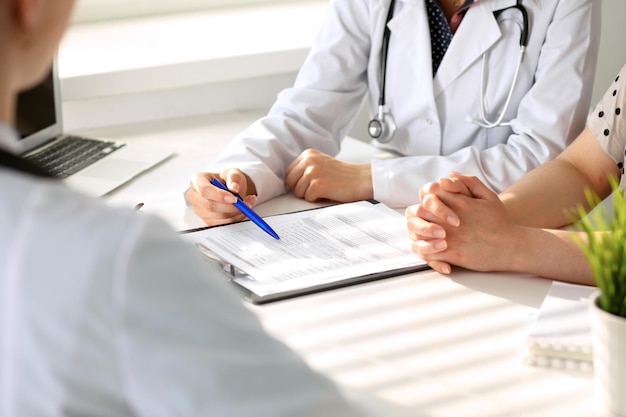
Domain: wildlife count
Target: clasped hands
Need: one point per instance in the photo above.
(312, 176)
(461, 222)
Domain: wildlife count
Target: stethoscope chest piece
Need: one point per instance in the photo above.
(382, 128)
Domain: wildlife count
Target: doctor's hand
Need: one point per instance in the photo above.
(314, 176)
(215, 206)
(461, 222)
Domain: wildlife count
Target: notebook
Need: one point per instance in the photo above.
(102, 167)
(561, 334)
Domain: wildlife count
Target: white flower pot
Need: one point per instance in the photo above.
(608, 337)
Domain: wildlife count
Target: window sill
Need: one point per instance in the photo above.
(137, 61)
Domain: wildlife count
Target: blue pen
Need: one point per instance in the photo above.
(256, 219)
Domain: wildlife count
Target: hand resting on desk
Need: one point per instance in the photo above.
(461, 222)
(315, 176)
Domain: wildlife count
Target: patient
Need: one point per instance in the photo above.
(460, 222)
(107, 313)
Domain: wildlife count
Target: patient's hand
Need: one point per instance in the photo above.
(461, 222)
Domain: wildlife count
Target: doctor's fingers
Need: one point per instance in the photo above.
(308, 175)
(238, 182)
(212, 218)
(337, 181)
(201, 182)
(306, 158)
(307, 163)
(211, 212)
(311, 188)
(213, 205)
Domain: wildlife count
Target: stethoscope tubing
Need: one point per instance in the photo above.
(485, 123)
(384, 53)
(379, 120)
(483, 112)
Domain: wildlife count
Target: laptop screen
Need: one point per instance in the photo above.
(35, 108)
(38, 117)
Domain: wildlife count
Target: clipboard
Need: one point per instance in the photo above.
(350, 243)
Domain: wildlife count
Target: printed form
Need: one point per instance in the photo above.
(316, 246)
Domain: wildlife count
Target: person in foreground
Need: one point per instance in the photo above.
(105, 312)
(438, 53)
(460, 222)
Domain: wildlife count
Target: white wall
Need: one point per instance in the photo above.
(178, 65)
(612, 46)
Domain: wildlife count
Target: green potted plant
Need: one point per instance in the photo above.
(604, 246)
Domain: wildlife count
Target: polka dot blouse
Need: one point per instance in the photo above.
(608, 121)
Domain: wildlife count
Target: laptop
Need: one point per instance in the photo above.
(93, 166)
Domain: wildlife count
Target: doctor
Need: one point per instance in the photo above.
(435, 117)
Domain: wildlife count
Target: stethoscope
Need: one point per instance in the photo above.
(382, 127)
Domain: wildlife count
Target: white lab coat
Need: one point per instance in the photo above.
(105, 312)
(548, 108)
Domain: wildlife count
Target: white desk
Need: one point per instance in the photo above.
(418, 345)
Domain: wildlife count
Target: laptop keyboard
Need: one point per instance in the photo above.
(72, 154)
